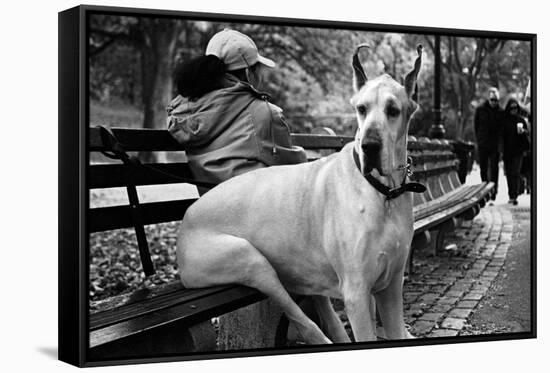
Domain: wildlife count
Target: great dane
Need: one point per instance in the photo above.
(338, 227)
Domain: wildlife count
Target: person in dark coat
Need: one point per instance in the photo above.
(487, 125)
(527, 161)
(515, 143)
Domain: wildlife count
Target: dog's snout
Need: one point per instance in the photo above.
(373, 134)
(372, 146)
(372, 141)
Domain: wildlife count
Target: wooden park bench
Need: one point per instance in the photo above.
(170, 319)
(447, 201)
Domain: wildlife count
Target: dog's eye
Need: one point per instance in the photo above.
(392, 111)
(361, 109)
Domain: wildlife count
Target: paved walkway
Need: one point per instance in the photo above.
(506, 306)
(463, 290)
(443, 291)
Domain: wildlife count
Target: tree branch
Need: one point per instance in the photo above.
(476, 58)
(455, 55)
(110, 34)
(430, 44)
(479, 58)
(97, 50)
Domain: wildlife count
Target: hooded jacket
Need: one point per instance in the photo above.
(514, 143)
(231, 131)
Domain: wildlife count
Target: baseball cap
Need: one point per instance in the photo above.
(236, 50)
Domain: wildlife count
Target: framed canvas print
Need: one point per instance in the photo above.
(236, 186)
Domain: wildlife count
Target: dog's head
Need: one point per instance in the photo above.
(384, 108)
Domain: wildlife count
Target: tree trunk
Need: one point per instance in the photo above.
(157, 56)
(492, 69)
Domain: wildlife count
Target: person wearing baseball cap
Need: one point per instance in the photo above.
(226, 124)
(236, 50)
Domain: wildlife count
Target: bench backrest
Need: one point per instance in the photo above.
(119, 175)
(434, 164)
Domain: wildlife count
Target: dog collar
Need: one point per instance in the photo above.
(392, 193)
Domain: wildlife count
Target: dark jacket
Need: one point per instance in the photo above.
(514, 144)
(231, 131)
(488, 125)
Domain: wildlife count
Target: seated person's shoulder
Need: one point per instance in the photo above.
(263, 109)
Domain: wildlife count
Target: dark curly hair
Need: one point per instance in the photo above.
(196, 77)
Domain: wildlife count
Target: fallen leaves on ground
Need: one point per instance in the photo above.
(115, 265)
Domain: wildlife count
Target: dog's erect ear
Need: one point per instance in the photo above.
(410, 80)
(359, 76)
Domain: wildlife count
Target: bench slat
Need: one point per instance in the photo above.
(456, 206)
(203, 309)
(446, 201)
(437, 218)
(115, 217)
(433, 171)
(161, 140)
(421, 145)
(159, 302)
(136, 140)
(308, 141)
(116, 175)
(419, 159)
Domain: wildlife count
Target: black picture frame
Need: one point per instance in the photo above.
(73, 177)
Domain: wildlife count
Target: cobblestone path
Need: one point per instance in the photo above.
(443, 291)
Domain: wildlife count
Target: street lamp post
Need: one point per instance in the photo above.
(437, 130)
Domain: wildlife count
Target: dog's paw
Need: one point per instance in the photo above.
(312, 334)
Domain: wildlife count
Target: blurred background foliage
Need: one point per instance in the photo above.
(132, 61)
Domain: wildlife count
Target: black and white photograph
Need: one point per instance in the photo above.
(265, 186)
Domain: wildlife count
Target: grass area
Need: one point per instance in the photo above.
(127, 116)
(115, 115)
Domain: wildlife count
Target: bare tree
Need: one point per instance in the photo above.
(155, 42)
(463, 60)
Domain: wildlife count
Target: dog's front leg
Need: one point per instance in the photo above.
(358, 302)
(390, 307)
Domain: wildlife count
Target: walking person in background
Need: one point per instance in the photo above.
(515, 138)
(488, 125)
(526, 163)
(227, 125)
